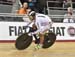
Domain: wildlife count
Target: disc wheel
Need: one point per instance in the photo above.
(49, 40)
(23, 41)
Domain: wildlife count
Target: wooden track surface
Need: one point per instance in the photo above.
(59, 49)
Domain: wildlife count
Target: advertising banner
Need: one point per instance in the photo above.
(11, 30)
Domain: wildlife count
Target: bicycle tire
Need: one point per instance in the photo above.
(23, 41)
(49, 40)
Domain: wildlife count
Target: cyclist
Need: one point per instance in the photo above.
(42, 23)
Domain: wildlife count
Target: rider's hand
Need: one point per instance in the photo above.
(34, 27)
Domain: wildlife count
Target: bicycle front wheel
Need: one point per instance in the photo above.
(23, 41)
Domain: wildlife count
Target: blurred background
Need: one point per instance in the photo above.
(56, 9)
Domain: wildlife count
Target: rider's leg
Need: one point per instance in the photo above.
(41, 36)
(41, 31)
(41, 39)
(40, 45)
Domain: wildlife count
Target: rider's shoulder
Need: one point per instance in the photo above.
(40, 15)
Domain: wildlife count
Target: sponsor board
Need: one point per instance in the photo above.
(11, 30)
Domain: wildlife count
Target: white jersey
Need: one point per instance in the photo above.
(42, 20)
(43, 23)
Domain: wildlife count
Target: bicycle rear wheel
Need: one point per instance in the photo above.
(49, 40)
(23, 41)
